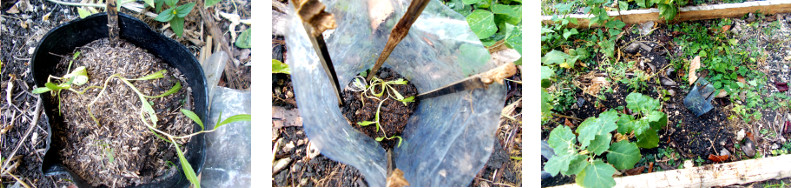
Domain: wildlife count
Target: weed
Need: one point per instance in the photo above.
(175, 14)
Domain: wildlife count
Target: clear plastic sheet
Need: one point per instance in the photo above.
(228, 148)
(447, 140)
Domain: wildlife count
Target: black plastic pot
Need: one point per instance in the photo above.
(65, 38)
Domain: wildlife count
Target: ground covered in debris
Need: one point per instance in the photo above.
(23, 135)
(750, 116)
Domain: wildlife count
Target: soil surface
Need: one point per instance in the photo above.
(686, 136)
(120, 150)
(392, 114)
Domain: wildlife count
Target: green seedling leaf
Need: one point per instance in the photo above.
(54, 87)
(79, 76)
(194, 117)
(357, 82)
(379, 139)
(408, 100)
(591, 127)
(280, 67)
(171, 91)
(147, 2)
(166, 15)
(469, 2)
(398, 95)
(365, 123)
(41, 90)
(400, 81)
(159, 4)
(657, 119)
(187, 168)
(156, 75)
(110, 154)
(482, 23)
(209, 3)
(83, 12)
(597, 174)
(623, 155)
(546, 105)
(399, 140)
(235, 118)
(243, 41)
(177, 24)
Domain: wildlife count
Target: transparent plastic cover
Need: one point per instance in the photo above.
(447, 140)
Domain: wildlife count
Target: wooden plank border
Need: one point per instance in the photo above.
(740, 172)
(689, 13)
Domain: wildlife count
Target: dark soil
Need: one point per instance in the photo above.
(393, 115)
(120, 150)
(306, 171)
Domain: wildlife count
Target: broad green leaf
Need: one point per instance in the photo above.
(514, 40)
(280, 67)
(184, 9)
(623, 155)
(576, 165)
(365, 123)
(468, 2)
(546, 76)
(625, 124)
(187, 168)
(641, 103)
(591, 127)
(569, 32)
(641, 3)
(166, 15)
(235, 118)
(482, 23)
(194, 117)
(171, 3)
(83, 13)
(554, 57)
(546, 105)
(615, 24)
(640, 126)
(41, 90)
(177, 24)
(171, 91)
(667, 11)
(623, 5)
(600, 144)
(209, 3)
(159, 5)
(560, 163)
(562, 140)
(657, 120)
(509, 10)
(649, 139)
(243, 41)
(155, 75)
(596, 175)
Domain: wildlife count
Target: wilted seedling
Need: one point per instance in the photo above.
(368, 91)
(78, 76)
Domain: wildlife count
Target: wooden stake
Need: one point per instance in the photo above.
(399, 32)
(112, 22)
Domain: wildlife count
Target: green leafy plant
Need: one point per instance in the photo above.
(385, 88)
(493, 21)
(244, 39)
(645, 120)
(77, 77)
(594, 139)
(174, 15)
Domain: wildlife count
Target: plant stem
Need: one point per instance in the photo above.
(112, 22)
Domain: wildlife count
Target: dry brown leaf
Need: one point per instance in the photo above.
(718, 159)
(568, 123)
(619, 137)
(597, 84)
(650, 167)
(635, 171)
(694, 65)
(726, 28)
(397, 179)
(741, 79)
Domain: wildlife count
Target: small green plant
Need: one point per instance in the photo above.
(77, 77)
(645, 120)
(493, 21)
(594, 140)
(385, 88)
(280, 67)
(174, 15)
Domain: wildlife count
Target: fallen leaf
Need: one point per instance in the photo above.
(619, 137)
(397, 179)
(568, 123)
(750, 136)
(635, 171)
(726, 28)
(597, 84)
(718, 159)
(694, 65)
(741, 79)
(781, 86)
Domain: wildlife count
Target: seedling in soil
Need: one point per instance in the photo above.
(77, 77)
(385, 87)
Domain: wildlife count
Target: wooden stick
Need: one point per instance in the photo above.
(689, 13)
(740, 172)
(112, 22)
(399, 32)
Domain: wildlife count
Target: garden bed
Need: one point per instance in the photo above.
(747, 58)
